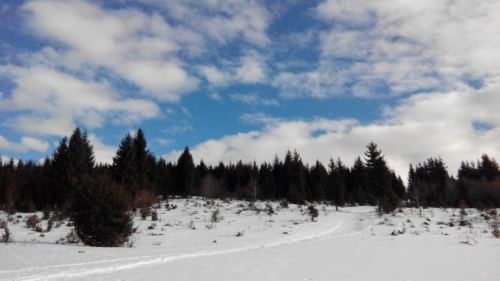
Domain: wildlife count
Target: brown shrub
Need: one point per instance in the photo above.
(32, 222)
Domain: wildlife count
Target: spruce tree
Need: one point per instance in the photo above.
(184, 174)
(358, 181)
(81, 155)
(379, 180)
(59, 176)
(124, 168)
(101, 212)
(318, 181)
(143, 160)
(266, 182)
(337, 180)
(277, 170)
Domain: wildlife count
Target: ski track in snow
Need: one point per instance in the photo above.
(127, 264)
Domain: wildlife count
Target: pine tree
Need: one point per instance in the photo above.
(124, 168)
(489, 168)
(358, 181)
(81, 155)
(379, 180)
(337, 179)
(277, 169)
(318, 181)
(266, 182)
(143, 161)
(101, 214)
(165, 182)
(184, 174)
(59, 176)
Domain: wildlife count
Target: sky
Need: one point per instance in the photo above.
(238, 79)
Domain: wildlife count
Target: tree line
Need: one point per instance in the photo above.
(71, 177)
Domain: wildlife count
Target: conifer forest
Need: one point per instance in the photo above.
(70, 178)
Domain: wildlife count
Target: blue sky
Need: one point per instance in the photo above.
(246, 80)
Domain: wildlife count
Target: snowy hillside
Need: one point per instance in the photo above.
(249, 243)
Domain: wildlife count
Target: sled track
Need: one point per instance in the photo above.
(144, 261)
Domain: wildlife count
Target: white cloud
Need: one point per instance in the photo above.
(423, 126)
(27, 143)
(52, 102)
(216, 96)
(252, 69)
(391, 47)
(221, 20)
(136, 46)
(254, 99)
(215, 76)
(164, 141)
(103, 153)
(261, 118)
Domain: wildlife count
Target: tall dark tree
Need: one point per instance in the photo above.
(358, 181)
(488, 168)
(278, 175)
(71, 161)
(337, 182)
(266, 182)
(60, 179)
(124, 167)
(165, 178)
(379, 179)
(81, 155)
(318, 181)
(184, 174)
(144, 161)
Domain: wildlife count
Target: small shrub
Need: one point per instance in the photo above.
(269, 209)
(7, 236)
(240, 233)
(72, 237)
(216, 217)
(38, 228)
(46, 214)
(3, 224)
(50, 224)
(495, 222)
(144, 212)
(32, 221)
(312, 212)
(154, 215)
(463, 213)
(191, 225)
(284, 204)
(152, 226)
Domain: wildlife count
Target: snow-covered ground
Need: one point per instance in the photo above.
(350, 244)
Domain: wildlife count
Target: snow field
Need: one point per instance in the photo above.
(352, 243)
